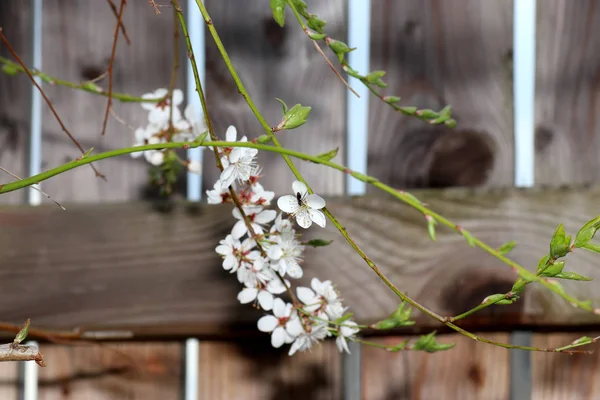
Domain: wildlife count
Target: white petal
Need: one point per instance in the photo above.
(306, 295)
(275, 252)
(231, 134)
(227, 176)
(294, 327)
(229, 262)
(236, 154)
(155, 158)
(265, 216)
(247, 295)
(317, 217)
(276, 287)
(288, 204)
(279, 308)
(267, 323)
(303, 218)
(294, 270)
(315, 201)
(299, 187)
(265, 300)
(239, 229)
(223, 249)
(278, 337)
(195, 167)
(349, 328)
(341, 344)
(177, 97)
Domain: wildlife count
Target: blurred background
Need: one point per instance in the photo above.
(123, 258)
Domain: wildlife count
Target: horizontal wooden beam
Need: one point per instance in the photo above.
(154, 271)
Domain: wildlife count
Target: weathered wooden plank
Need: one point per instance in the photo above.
(132, 371)
(438, 53)
(253, 370)
(130, 266)
(276, 62)
(563, 376)
(566, 97)
(78, 41)
(469, 371)
(15, 96)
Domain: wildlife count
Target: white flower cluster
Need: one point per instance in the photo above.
(166, 124)
(264, 262)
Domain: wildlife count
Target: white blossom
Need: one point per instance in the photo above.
(286, 252)
(235, 253)
(305, 340)
(217, 194)
(258, 217)
(303, 206)
(160, 112)
(238, 163)
(276, 324)
(262, 293)
(346, 332)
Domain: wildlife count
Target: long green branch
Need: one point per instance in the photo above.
(404, 197)
(89, 87)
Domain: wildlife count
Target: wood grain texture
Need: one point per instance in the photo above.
(562, 376)
(253, 370)
(276, 62)
(469, 371)
(148, 371)
(566, 92)
(78, 37)
(437, 53)
(15, 97)
(130, 266)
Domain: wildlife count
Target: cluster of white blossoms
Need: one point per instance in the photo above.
(167, 124)
(264, 263)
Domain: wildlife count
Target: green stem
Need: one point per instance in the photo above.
(86, 86)
(408, 199)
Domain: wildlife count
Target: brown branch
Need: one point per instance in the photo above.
(64, 128)
(154, 6)
(331, 65)
(34, 187)
(123, 31)
(18, 352)
(110, 66)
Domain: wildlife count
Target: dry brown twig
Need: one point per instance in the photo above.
(62, 125)
(21, 352)
(154, 6)
(34, 187)
(121, 24)
(110, 65)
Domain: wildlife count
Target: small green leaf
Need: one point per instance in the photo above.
(408, 110)
(353, 73)
(294, 117)
(427, 113)
(87, 153)
(45, 78)
(469, 237)
(329, 155)
(316, 23)
(429, 344)
(317, 36)
(543, 264)
(374, 76)
(592, 247)
(22, 334)
(493, 298)
(318, 242)
(344, 318)
(553, 269)
(519, 285)
(507, 247)
(278, 8)
(431, 227)
(587, 232)
(91, 86)
(583, 341)
(385, 324)
(263, 139)
(402, 315)
(284, 107)
(451, 123)
(391, 99)
(572, 276)
(506, 302)
(559, 245)
(339, 47)
(200, 139)
(398, 347)
(446, 112)
(10, 69)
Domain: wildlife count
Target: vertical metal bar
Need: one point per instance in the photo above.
(357, 109)
(524, 114)
(34, 198)
(357, 118)
(195, 25)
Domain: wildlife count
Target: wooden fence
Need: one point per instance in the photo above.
(121, 260)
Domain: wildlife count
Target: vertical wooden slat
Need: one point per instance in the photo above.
(255, 371)
(469, 371)
(437, 53)
(563, 376)
(567, 136)
(148, 371)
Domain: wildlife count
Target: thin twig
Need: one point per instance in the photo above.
(64, 128)
(154, 6)
(19, 352)
(123, 31)
(331, 65)
(110, 65)
(34, 187)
